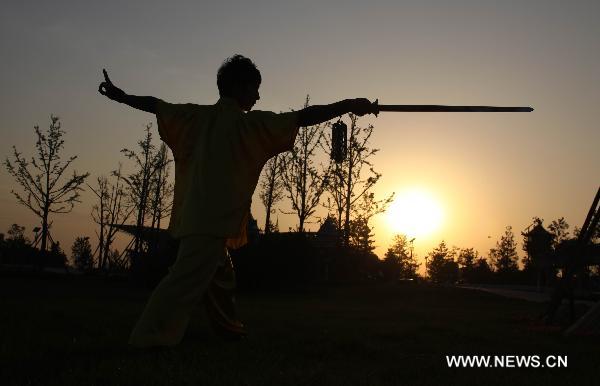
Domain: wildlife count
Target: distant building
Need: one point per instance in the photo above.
(538, 245)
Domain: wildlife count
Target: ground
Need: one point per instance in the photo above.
(72, 331)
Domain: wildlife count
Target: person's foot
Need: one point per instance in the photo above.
(220, 309)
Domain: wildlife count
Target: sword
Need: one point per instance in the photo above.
(377, 108)
(339, 129)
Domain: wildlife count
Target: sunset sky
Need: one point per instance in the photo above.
(485, 170)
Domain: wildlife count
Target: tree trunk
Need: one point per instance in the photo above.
(102, 225)
(349, 190)
(303, 195)
(270, 197)
(301, 225)
(44, 230)
(268, 216)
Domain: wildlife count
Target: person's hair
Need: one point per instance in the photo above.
(236, 70)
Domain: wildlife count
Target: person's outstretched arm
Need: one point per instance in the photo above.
(109, 90)
(314, 115)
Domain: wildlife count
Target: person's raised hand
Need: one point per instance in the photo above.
(362, 106)
(109, 90)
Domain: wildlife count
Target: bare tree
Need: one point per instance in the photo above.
(303, 181)
(271, 188)
(148, 163)
(351, 180)
(162, 188)
(112, 210)
(367, 206)
(44, 193)
(100, 214)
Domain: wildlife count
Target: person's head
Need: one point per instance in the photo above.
(238, 78)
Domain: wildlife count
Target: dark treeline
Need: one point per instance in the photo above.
(288, 259)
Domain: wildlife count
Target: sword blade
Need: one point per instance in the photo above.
(441, 108)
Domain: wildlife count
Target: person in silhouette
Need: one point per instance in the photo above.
(219, 152)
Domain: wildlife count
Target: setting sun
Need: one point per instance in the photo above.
(415, 213)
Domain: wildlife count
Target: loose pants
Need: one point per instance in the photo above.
(201, 272)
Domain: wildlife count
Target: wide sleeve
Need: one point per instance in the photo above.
(174, 120)
(273, 133)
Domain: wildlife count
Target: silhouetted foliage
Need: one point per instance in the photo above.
(504, 257)
(81, 253)
(16, 234)
(347, 264)
(482, 272)
(56, 257)
(294, 259)
(43, 193)
(399, 261)
(361, 237)
(16, 248)
(559, 228)
(441, 266)
(467, 259)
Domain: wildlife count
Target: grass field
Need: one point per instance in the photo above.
(72, 331)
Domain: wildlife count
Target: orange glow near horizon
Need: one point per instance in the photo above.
(415, 213)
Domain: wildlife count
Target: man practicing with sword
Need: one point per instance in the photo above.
(219, 152)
